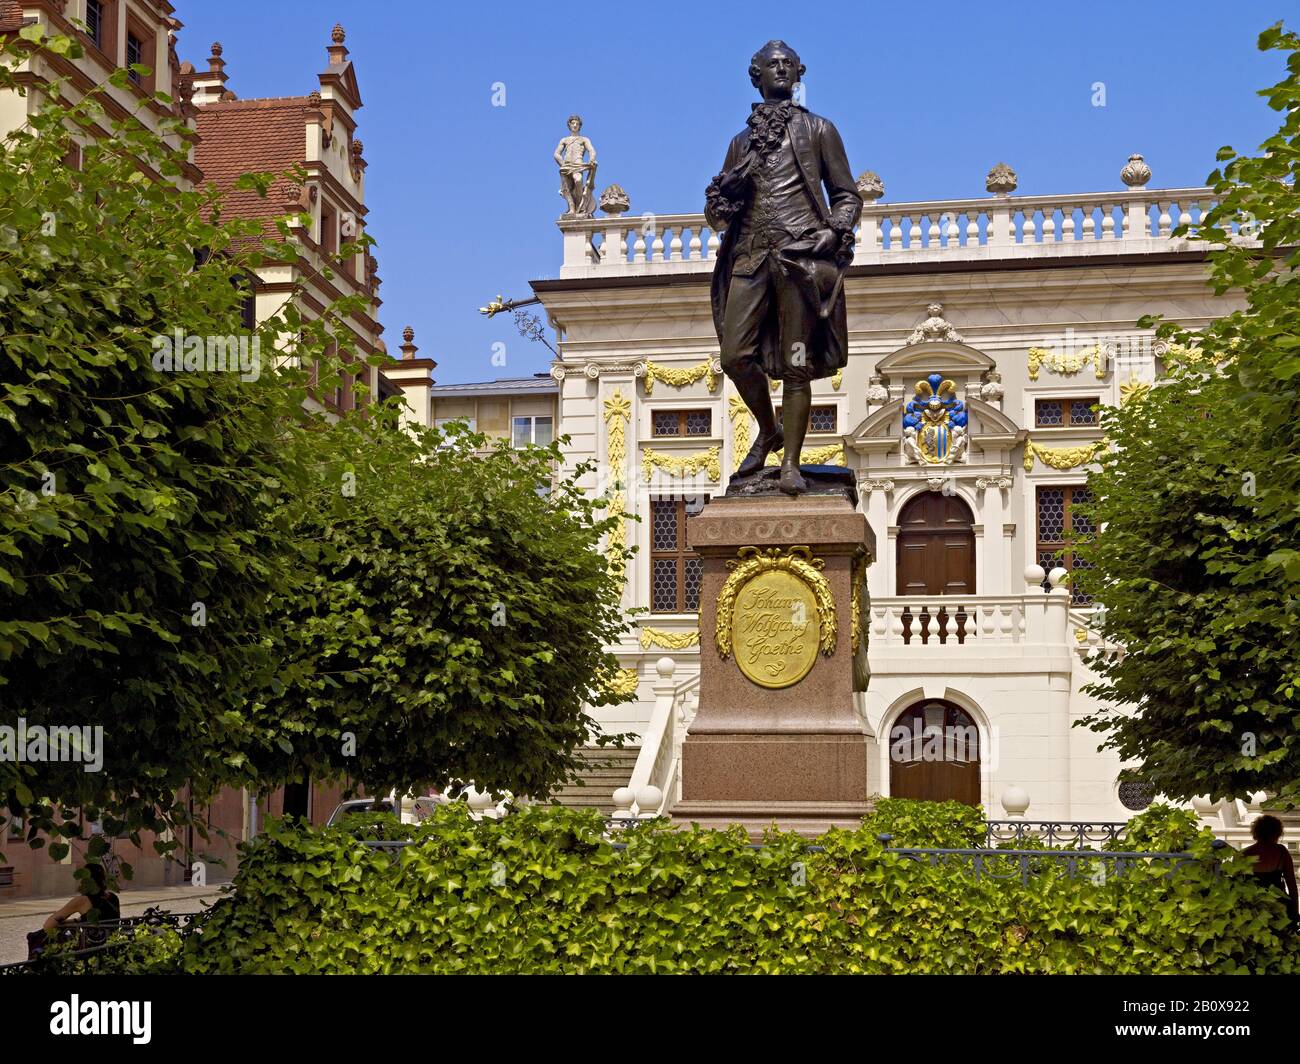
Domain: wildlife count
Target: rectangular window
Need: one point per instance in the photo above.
(675, 571)
(95, 22)
(134, 54)
(683, 422)
(820, 419)
(532, 429)
(1059, 413)
(1058, 526)
(329, 229)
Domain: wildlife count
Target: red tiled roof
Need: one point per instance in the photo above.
(251, 136)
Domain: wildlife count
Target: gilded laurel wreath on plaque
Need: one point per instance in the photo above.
(775, 612)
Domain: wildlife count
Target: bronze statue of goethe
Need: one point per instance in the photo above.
(778, 292)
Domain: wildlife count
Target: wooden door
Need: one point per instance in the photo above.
(934, 754)
(936, 546)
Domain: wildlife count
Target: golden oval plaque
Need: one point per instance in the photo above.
(774, 628)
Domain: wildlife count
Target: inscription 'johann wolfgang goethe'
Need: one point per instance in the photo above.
(775, 634)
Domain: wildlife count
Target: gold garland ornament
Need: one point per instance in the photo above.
(617, 540)
(831, 454)
(1067, 364)
(680, 378)
(1132, 389)
(837, 378)
(740, 431)
(681, 465)
(621, 682)
(1059, 457)
(659, 637)
(750, 562)
(855, 618)
(618, 411)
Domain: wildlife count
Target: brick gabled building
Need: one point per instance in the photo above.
(114, 34)
(315, 132)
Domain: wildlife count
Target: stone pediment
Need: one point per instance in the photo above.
(947, 357)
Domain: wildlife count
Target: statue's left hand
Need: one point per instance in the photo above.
(825, 244)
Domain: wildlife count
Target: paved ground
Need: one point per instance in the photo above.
(17, 917)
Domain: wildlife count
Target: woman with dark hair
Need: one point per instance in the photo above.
(95, 904)
(1273, 864)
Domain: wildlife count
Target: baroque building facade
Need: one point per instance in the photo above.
(985, 336)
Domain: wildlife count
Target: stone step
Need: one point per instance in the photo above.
(607, 771)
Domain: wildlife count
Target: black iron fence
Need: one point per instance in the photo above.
(81, 947)
(1083, 834)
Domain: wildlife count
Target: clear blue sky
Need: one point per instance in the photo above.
(463, 195)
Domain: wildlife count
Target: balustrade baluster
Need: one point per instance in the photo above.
(1027, 230)
(711, 249)
(1049, 225)
(1165, 223)
(972, 230)
(657, 248)
(696, 245)
(638, 249)
(1089, 224)
(902, 625)
(1107, 221)
(1067, 224)
(895, 235)
(914, 234)
(675, 247)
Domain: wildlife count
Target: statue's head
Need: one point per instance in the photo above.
(575, 123)
(775, 70)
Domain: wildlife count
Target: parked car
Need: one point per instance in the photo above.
(357, 807)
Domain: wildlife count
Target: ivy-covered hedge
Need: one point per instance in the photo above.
(543, 891)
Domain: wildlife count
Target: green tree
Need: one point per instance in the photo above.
(1198, 561)
(139, 544)
(454, 617)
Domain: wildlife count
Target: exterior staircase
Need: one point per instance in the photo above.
(606, 771)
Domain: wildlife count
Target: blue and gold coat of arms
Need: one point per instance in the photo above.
(935, 423)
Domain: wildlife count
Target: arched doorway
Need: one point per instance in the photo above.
(936, 546)
(934, 754)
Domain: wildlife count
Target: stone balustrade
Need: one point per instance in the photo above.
(1093, 223)
(925, 624)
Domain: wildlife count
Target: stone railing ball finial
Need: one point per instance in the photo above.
(408, 334)
(870, 187)
(337, 35)
(216, 49)
(1015, 800)
(1136, 173)
(1001, 180)
(614, 201)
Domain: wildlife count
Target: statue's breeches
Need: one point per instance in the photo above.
(770, 321)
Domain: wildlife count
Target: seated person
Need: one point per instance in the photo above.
(1273, 864)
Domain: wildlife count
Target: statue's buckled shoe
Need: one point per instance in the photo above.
(792, 481)
(757, 456)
